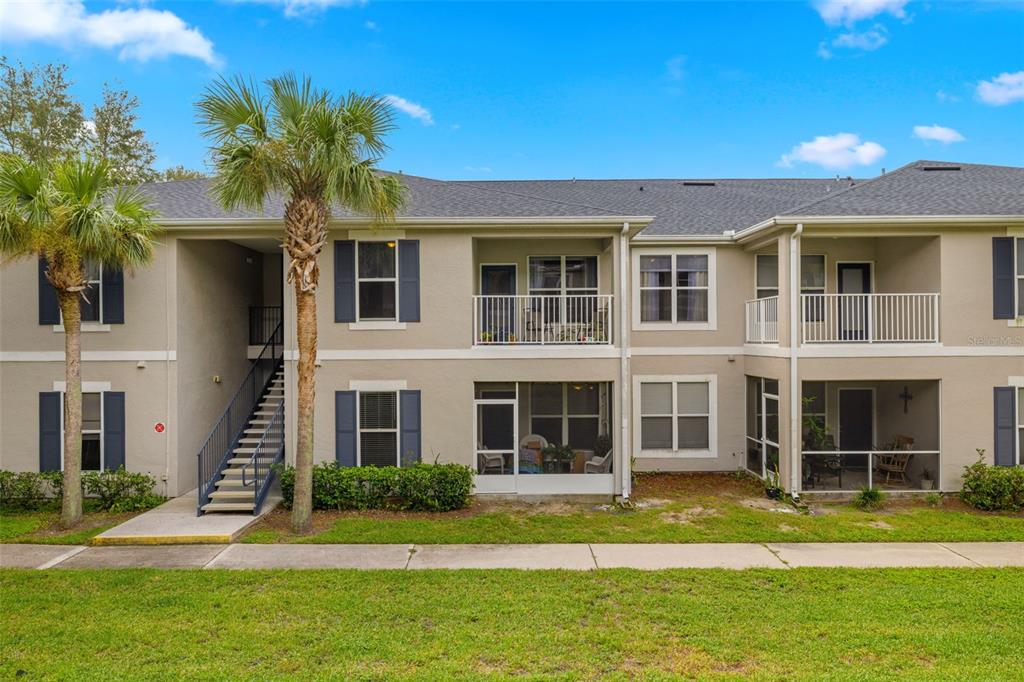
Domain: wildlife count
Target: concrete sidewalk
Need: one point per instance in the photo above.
(580, 557)
(175, 523)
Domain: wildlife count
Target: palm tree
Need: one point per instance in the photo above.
(71, 213)
(317, 151)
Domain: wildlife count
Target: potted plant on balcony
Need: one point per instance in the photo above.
(557, 458)
(486, 337)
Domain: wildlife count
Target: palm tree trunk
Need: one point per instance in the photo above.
(302, 505)
(71, 504)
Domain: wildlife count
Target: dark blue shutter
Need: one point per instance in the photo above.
(49, 431)
(344, 281)
(113, 429)
(411, 439)
(408, 280)
(49, 309)
(113, 296)
(345, 431)
(1005, 426)
(1002, 278)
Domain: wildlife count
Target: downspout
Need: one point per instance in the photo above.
(627, 412)
(794, 354)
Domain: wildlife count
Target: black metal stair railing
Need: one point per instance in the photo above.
(264, 319)
(224, 436)
(259, 472)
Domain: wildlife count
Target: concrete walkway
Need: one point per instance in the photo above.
(175, 523)
(579, 557)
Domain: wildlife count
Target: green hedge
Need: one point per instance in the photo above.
(421, 487)
(113, 490)
(993, 488)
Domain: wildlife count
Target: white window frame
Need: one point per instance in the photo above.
(359, 423)
(763, 443)
(368, 322)
(99, 387)
(563, 289)
(1018, 271)
(674, 324)
(675, 453)
(804, 288)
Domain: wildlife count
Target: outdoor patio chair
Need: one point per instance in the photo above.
(598, 465)
(893, 465)
(491, 462)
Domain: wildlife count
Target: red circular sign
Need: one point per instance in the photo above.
(159, 427)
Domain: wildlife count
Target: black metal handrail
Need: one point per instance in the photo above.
(268, 452)
(223, 438)
(264, 319)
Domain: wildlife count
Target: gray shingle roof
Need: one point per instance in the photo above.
(679, 207)
(927, 188)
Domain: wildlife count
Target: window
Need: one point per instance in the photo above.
(377, 280)
(92, 431)
(1020, 276)
(567, 413)
(91, 301)
(767, 276)
(676, 415)
(559, 277)
(378, 428)
(674, 288)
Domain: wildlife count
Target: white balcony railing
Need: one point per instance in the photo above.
(584, 319)
(869, 318)
(763, 320)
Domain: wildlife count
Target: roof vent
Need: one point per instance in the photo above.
(698, 183)
(940, 168)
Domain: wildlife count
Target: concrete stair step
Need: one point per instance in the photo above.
(228, 507)
(233, 482)
(245, 494)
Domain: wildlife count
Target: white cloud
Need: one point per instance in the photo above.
(140, 33)
(937, 133)
(417, 111)
(823, 50)
(675, 68)
(944, 97)
(839, 151)
(372, 26)
(849, 12)
(1003, 89)
(866, 40)
(302, 8)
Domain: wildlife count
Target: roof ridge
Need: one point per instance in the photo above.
(830, 195)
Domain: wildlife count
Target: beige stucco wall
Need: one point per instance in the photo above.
(149, 398)
(218, 281)
(147, 298)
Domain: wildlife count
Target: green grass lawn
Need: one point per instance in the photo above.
(671, 508)
(805, 624)
(42, 527)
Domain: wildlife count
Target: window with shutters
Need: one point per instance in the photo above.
(676, 416)
(378, 428)
(91, 299)
(377, 281)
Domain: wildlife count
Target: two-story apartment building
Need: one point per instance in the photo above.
(842, 333)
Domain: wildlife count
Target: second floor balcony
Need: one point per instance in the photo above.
(850, 318)
(535, 319)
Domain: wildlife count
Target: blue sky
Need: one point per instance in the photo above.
(574, 89)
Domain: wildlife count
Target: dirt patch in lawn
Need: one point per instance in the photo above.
(675, 487)
(690, 515)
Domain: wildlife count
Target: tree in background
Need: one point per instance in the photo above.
(71, 213)
(43, 123)
(180, 173)
(317, 151)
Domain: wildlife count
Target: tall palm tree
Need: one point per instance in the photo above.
(71, 213)
(317, 151)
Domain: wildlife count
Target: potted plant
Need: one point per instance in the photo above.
(486, 337)
(927, 482)
(560, 456)
(771, 486)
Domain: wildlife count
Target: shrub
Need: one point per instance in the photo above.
(120, 491)
(933, 499)
(421, 487)
(869, 499)
(993, 488)
(21, 490)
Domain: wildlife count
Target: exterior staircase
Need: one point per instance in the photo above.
(234, 489)
(236, 463)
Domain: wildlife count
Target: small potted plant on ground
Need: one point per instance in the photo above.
(927, 482)
(771, 485)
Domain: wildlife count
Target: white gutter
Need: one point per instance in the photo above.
(432, 222)
(780, 221)
(794, 353)
(624, 379)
